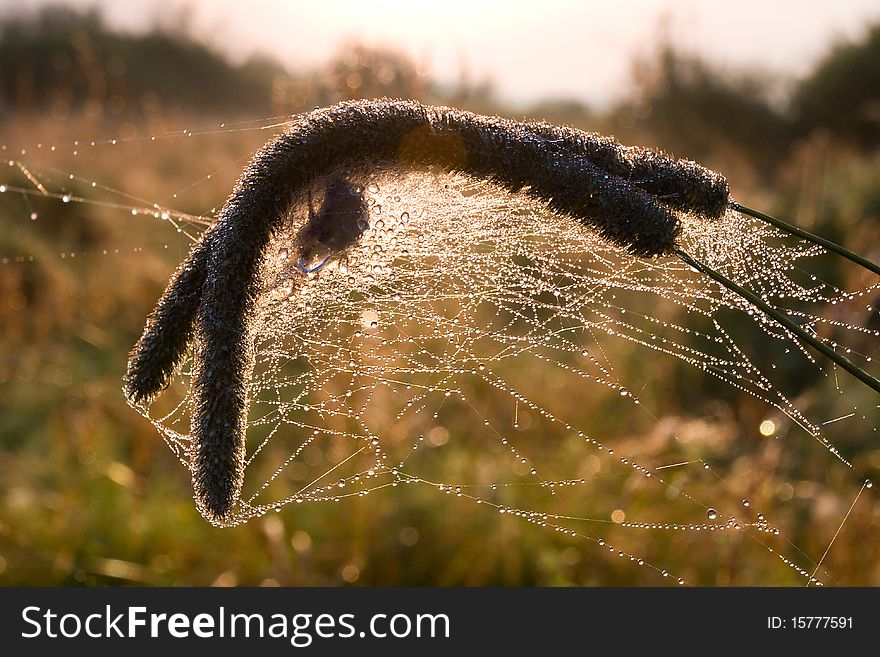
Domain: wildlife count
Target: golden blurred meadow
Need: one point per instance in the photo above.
(101, 130)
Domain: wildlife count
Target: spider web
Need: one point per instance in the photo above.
(474, 346)
(467, 316)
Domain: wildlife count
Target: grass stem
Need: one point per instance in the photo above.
(810, 237)
(783, 320)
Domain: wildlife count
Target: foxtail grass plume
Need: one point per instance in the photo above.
(629, 196)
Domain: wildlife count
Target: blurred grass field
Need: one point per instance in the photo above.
(89, 494)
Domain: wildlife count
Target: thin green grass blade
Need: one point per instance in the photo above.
(810, 237)
(783, 320)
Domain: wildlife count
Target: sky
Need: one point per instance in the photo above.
(529, 50)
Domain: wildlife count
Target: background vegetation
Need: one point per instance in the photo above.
(88, 492)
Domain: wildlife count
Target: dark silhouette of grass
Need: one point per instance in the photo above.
(626, 194)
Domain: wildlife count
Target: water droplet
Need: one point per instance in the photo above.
(377, 209)
(746, 503)
(767, 428)
(283, 254)
(711, 514)
(34, 216)
(66, 198)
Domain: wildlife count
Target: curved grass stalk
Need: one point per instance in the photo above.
(628, 195)
(806, 235)
(783, 320)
